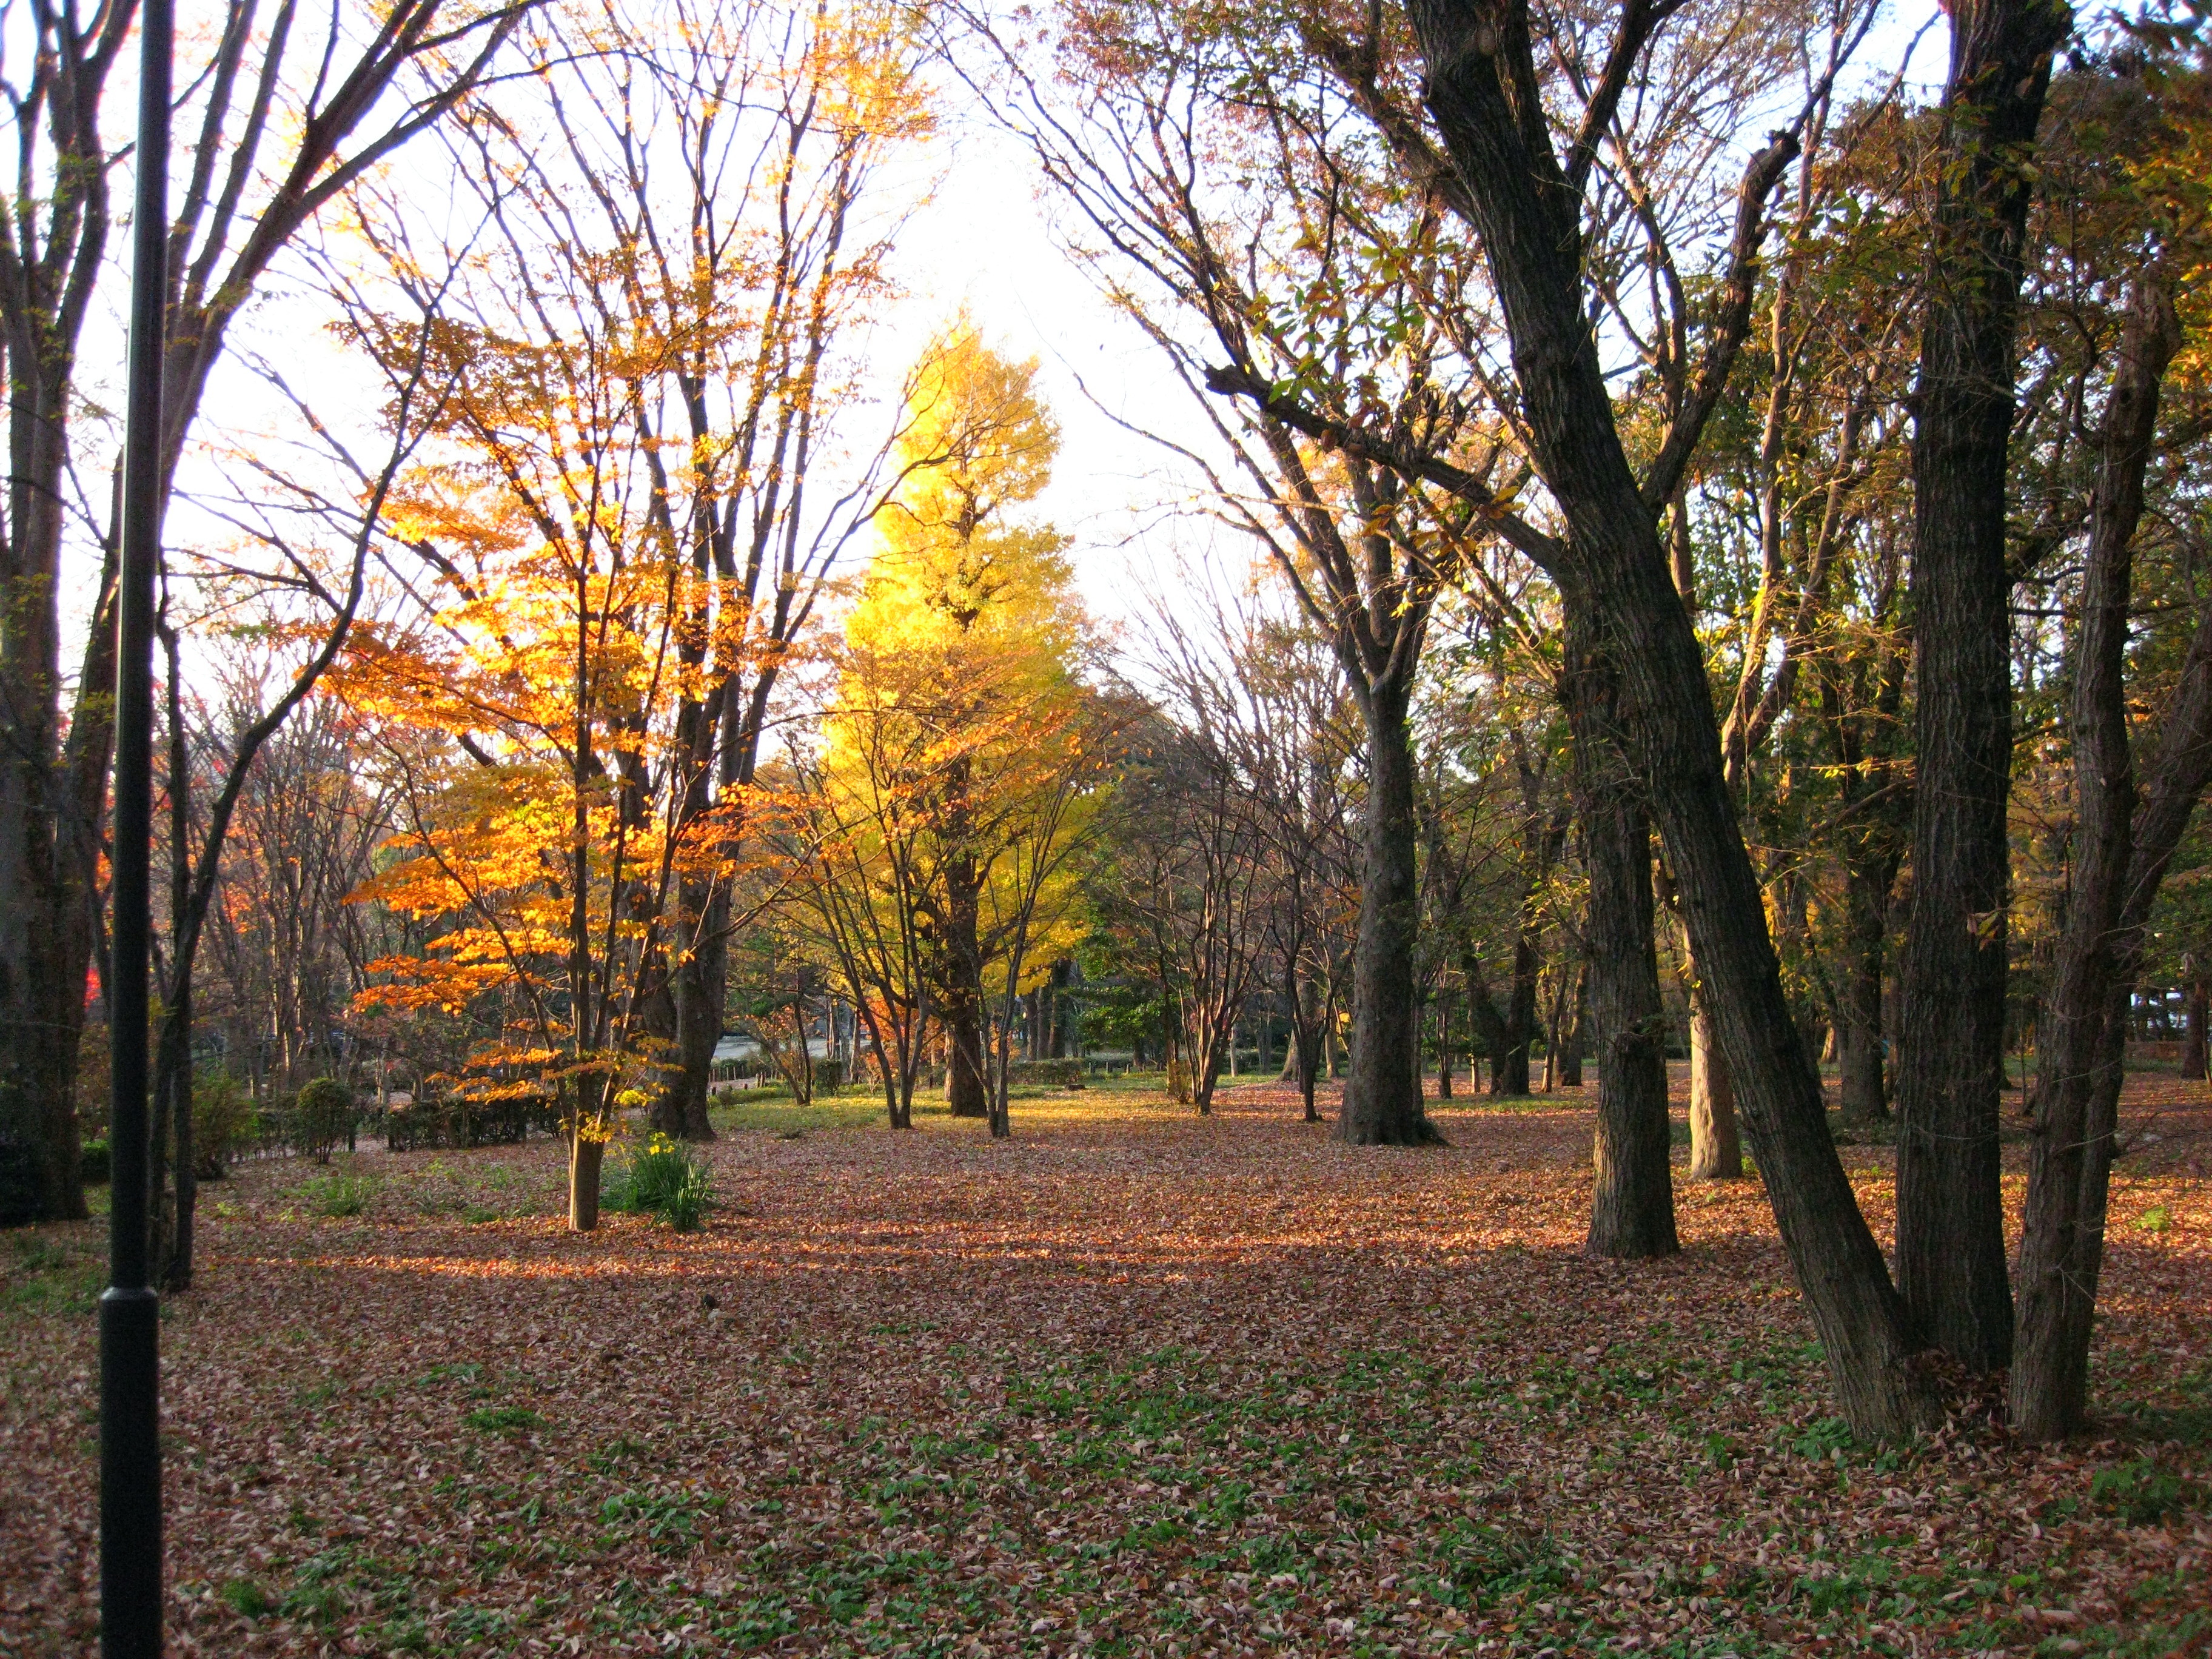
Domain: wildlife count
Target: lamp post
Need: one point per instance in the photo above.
(130, 1312)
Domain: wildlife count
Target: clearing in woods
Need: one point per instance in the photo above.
(1133, 1383)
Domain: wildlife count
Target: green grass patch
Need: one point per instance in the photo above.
(504, 1419)
(339, 1194)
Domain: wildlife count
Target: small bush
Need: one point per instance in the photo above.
(223, 1123)
(322, 1117)
(95, 1164)
(664, 1177)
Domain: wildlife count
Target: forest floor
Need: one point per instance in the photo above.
(1133, 1383)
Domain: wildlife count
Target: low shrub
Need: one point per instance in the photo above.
(341, 1195)
(459, 1122)
(1062, 1073)
(666, 1178)
(224, 1123)
(93, 1162)
(322, 1115)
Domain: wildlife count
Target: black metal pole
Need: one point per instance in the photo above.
(130, 1313)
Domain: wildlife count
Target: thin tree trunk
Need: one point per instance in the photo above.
(1381, 1090)
(1570, 1063)
(1716, 1143)
(1309, 1035)
(1865, 1095)
(967, 1081)
(2118, 864)
(1950, 1079)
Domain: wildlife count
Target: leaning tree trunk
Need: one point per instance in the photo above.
(1950, 1079)
(1633, 1212)
(2115, 875)
(1382, 1087)
(1482, 87)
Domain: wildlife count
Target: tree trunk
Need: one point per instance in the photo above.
(2192, 1042)
(2117, 866)
(1382, 1089)
(1716, 1145)
(1950, 1213)
(967, 1082)
(696, 987)
(1633, 1212)
(1570, 1058)
(1613, 573)
(1062, 1006)
(52, 802)
(586, 1157)
(1309, 1035)
(1860, 1059)
(1508, 1068)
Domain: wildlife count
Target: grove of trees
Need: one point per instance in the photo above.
(1684, 543)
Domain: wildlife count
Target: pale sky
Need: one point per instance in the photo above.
(982, 240)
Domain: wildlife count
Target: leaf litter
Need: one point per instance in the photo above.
(1136, 1382)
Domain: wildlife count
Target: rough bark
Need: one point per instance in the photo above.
(1633, 1212)
(1482, 89)
(2118, 864)
(1381, 1104)
(2192, 1043)
(1950, 1215)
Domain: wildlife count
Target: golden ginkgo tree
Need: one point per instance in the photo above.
(963, 755)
